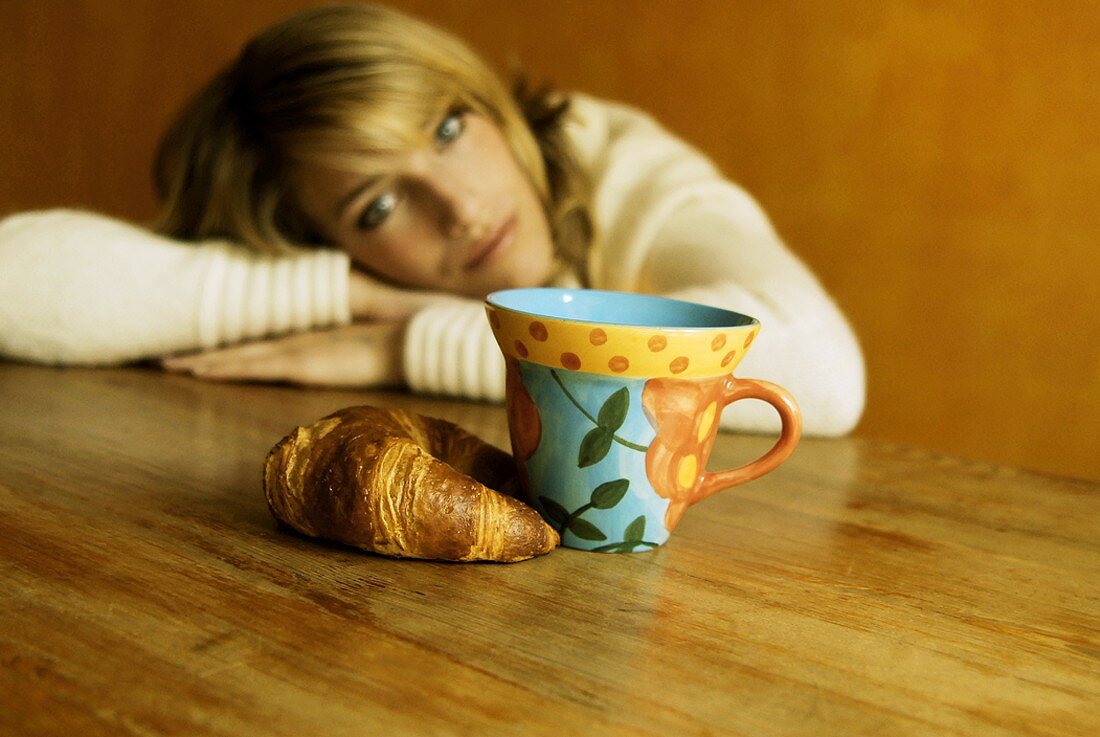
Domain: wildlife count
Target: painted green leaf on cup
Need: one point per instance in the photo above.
(594, 447)
(585, 530)
(635, 531)
(613, 412)
(555, 511)
(607, 495)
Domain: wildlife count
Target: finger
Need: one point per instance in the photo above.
(237, 371)
(247, 370)
(209, 359)
(180, 364)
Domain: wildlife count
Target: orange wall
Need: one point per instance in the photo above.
(937, 164)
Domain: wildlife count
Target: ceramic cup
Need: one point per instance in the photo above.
(613, 403)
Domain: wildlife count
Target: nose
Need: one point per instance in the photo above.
(460, 207)
(460, 215)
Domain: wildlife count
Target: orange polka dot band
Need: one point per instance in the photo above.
(618, 334)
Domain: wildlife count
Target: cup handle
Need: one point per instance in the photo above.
(791, 417)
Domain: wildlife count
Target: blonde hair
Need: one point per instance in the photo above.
(330, 85)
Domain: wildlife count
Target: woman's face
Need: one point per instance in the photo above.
(457, 215)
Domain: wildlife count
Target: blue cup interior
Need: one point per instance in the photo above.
(615, 308)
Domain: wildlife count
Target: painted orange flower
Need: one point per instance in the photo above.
(523, 418)
(684, 412)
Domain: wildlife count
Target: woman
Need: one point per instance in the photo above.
(357, 168)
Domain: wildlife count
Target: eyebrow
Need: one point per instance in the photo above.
(353, 195)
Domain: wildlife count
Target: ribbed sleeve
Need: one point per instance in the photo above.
(246, 296)
(808, 350)
(670, 224)
(705, 254)
(80, 288)
(449, 349)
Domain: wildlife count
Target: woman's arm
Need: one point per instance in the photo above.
(80, 288)
(805, 344)
(449, 349)
(671, 224)
(353, 356)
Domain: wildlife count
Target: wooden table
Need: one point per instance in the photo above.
(863, 588)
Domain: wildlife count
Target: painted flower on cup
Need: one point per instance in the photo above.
(684, 413)
(523, 418)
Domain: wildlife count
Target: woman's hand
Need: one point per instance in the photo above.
(363, 356)
(371, 299)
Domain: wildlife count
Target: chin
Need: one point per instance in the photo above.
(531, 272)
(520, 272)
(522, 281)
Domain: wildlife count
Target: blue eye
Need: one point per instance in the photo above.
(377, 211)
(450, 129)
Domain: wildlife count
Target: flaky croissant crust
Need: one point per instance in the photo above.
(401, 484)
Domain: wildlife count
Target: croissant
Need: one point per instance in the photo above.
(404, 485)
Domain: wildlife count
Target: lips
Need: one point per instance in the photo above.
(491, 245)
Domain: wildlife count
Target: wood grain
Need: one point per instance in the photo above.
(861, 589)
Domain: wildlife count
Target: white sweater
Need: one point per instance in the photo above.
(80, 288)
